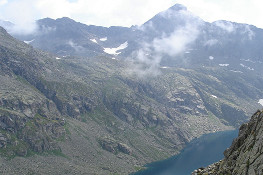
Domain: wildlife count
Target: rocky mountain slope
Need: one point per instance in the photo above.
(65, 37)
(29, 120)
(90, 112)
(218, 44)
(245, 155)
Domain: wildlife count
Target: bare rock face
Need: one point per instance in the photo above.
(29, 121)
(245, 155)
(113, 146)
(19, 132)
(144, 119)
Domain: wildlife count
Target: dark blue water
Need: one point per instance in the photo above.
(198, 153)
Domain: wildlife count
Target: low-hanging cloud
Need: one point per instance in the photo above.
(226, 25)
(186, 28)
(146, 61)
(18, 12)
(177, 42)
(249, 32)
(42, 30)
(127, 12)
(24, 13)
(211, 42)
(76, 47)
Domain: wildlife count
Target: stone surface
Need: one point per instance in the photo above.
(89, 114)
(245, 155)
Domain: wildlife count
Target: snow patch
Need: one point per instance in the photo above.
(57, 58)
(214, 96)
(223, 65)
(249, 68)
(28, 42)
(248, 60)
(211, 42)
(104, 39)
(94, 40)
(260, 101)
(251, 61)
(115, 51)
(164, 67)
(187, 52)
(211, 57)
(236, 71)
(113, 58)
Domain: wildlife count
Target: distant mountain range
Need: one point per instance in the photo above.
(221, 43)
(109, 100)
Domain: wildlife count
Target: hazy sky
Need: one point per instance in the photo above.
(127, 12)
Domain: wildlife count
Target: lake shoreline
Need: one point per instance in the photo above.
(200, 152)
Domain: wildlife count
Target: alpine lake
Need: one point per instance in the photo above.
(200, 152)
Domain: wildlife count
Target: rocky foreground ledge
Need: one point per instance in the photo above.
(245, 155)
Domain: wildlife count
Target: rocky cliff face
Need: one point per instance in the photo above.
(245, 155)
(115, 121)
(28, 120)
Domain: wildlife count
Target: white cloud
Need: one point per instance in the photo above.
(46, 29)
(211, 42)
(249, 32)
(242, 11)
(98, 12)
(54, 9)
(3, 2)
(19, 12)
(143, 64)
(146, 61)
(125, 12)
(177, 42)
(76, 47)
(226, 25)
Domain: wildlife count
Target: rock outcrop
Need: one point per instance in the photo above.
(245, 155)
(145, 119)
(114, 146)
(29, 121)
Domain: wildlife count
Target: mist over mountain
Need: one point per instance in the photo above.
(82, 98)
(174, 37)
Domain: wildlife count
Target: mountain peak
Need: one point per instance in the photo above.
(50, 20)
(65, 19)
(178, 7)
